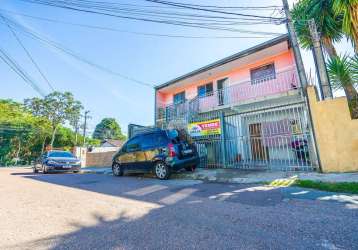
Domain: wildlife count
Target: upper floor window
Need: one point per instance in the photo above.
(263, 73)
(205, 90)
(179, 98)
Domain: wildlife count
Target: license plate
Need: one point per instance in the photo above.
(66, 166)
(187, 151)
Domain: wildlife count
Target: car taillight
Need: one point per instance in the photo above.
(171, 150)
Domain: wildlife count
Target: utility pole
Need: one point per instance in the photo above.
(295, 46)
(323, 80)
(85, 127)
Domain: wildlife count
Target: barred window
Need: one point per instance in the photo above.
(263, 73)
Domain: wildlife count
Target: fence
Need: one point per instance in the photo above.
(275, 138)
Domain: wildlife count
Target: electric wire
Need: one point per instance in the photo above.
(28, 54)
(75, 55)
(6, 58)
(125, 31)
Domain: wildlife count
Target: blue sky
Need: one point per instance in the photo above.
(150, 59)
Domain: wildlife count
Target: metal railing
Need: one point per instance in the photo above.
(239, 93)
(272, 139)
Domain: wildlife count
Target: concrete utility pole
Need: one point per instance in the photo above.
(295, 46)
(85, 127)
(323, 80)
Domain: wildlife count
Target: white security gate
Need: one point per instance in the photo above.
(276, 138)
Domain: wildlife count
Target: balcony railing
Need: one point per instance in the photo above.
(233, 95)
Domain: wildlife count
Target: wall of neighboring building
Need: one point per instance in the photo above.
(283, 62)
(336, 133)
(99, 159)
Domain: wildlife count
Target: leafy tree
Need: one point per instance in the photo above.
(108, 128)
(343, 76)
(57, 107)
(349, 10)
(21, 134)
(328, 23)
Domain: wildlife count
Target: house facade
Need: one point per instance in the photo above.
(246, 110)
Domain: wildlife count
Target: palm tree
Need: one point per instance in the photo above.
(349, 10)
(328, 23)
(342, 76)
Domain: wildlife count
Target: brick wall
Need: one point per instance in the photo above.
(99, 159)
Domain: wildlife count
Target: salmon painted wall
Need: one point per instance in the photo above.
(283, 62)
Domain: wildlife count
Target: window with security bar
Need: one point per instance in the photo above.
(263, 74)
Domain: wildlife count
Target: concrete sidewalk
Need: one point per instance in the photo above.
(246, 176)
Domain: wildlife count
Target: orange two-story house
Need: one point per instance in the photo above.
(258, 78)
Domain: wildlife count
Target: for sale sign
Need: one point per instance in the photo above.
(211, 127)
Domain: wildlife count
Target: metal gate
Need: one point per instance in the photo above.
(274, 138)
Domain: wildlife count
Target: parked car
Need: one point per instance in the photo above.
(57, 161)
(159, 151)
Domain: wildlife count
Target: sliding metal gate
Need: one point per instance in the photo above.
(275, 138)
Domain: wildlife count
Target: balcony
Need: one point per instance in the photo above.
(281, 84)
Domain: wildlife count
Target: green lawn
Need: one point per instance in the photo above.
(344, 187)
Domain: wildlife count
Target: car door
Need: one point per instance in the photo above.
(127, 158)
(153, 145)
(148, 145)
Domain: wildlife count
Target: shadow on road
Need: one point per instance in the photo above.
(192, 214)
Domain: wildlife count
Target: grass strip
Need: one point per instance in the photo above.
(341, 187)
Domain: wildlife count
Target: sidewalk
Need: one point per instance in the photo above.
(247, 176)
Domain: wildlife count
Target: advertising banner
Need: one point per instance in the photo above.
(211, 127)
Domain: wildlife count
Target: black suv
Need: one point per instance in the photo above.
(159, 151)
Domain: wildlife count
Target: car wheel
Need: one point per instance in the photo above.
(76, 171)
(161, 170)
(117, 169)
(35, 170)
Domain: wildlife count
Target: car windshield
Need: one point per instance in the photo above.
(60, 154)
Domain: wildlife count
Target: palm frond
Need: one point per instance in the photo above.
(340, 72)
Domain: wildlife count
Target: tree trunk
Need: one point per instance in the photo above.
(53, 135)
(352, 97)
(43, 145)
(354, 15)
(329, 47)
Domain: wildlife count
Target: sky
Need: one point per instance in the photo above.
(152, 60)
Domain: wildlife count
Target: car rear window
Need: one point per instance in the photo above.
(60, 154)
(154, 140)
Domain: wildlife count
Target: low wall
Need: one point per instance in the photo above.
(99, 159)
(336, 133)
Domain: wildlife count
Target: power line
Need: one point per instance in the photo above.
(162, 21)
(28, 54)
(75, 55)
(20, 72)
(198, 7)
(126, 31)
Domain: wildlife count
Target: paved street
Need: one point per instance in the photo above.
(93, 211)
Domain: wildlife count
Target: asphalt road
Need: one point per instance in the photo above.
(91, 211)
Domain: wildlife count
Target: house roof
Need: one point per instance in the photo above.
(228, 59)
(115, 143)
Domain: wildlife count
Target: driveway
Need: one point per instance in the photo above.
(91, 211)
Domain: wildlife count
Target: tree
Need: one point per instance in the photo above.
(343, 76)
(57, 107)
(349, 10)
(328, 23)
(108, 128)
(21, 133)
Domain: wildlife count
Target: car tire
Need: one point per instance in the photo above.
(117, 169)
(76, 171)
(35, 170)
(161, 170)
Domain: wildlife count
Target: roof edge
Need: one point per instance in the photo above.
(228, 59)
